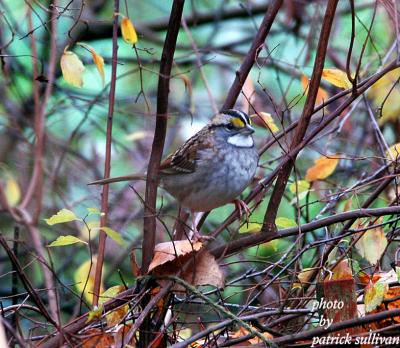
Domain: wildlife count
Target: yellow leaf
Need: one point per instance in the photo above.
(250, 227)
(385, 94)
(114, 317)
(128, 31)
(284, 222)
(66, 240)
(12, 191)
(299, 187)
(64, 215)
(393, 152)
(304, 277)
(95, 313)
(322, 168)
(337, 78)
(84, 279)
(372, 244)
(267, 121)
(322, 94)
(72, 68)
(374, 295)
(114, 235)
(99, 62)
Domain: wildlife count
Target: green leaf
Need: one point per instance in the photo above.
(398, 273)
(302, 186)
(94, 211)
(64, 215)
(114, 235)
(66, 240)
(95, 313)
(250, 227)
(283, 222)
(374, 295)
(110, 293)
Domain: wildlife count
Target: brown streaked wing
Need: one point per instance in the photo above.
(184, 159)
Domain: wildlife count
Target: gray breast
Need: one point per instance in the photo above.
(218, 179)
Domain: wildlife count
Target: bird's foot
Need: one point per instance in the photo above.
(242, 209)
(197, 237)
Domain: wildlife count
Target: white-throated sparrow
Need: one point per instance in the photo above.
(212, 167)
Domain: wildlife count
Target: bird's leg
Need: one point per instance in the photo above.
(241, 208)
(196, 217)
(195, 235)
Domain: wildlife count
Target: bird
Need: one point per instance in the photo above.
(210, 169)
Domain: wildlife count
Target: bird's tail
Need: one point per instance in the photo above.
(119, 178)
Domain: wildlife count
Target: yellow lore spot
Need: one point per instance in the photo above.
(237, 122)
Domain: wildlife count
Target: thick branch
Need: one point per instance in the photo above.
(149, 224)
(286, 169)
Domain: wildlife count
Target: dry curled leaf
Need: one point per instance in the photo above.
(169, 251)
(322, 168)
(99, 62)
(201, 266)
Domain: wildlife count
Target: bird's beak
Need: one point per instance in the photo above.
(248, 129)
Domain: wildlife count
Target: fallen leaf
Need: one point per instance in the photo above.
(372, 244)
(337, 78)
(98, 338)
(168, 251)
(202, 268)
(72, 68)
(64, 215)
(66, 240)
(128, 31)
(323, 167)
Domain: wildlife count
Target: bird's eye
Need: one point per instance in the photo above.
(230, 126)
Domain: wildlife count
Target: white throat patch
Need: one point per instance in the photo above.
(241, 140)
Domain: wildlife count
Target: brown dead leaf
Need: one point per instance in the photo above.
(202, 269)
(342, 271)
(134, 265)
(169, 251)
(322, 168)
(98, 338)
(244, 332)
